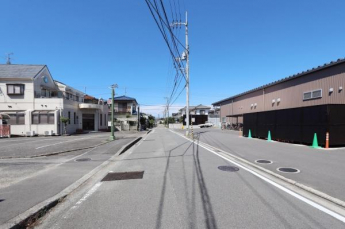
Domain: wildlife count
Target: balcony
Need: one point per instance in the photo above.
(122, 110)
(89, 106)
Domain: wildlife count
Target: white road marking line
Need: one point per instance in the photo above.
(83, 199)
(61, 143)
(25, 142)
(303, 199)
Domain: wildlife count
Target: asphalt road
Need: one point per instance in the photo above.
(26, 182)
(183, 187)
(30, 146)
(320, 169)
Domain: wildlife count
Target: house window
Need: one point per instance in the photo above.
(51, 118)
(312, 94)
(77, 98)
(35, 118)
(69, 117)
(45, 93)
(105, 119)
(74, 118)
(20, 118)
(202, 112)
(42, 117)
(17, 119)
(100, 119)
(15, 89)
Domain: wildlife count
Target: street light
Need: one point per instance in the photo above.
(112, 136)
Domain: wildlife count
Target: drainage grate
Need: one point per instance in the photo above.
(123, 176)
(288, 170)
(1, 200)
(84, 159)
(263, 161)
(228, 168)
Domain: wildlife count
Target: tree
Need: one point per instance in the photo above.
(151, 121)
(64, 120)
(171, 120)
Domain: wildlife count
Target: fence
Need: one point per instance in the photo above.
(5, 131)
(299, 124)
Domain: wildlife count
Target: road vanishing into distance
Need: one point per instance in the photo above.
(169, 181)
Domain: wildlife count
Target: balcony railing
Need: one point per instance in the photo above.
(89, 106)
(122, 110)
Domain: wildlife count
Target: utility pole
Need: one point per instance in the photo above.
(112, 136)
(167, 109)
(138, 126)
(9, 58)
(186, 69)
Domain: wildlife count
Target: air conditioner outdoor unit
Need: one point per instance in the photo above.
(30, 133)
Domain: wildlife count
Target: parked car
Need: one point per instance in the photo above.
(206, 125)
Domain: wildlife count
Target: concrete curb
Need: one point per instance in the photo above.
(287, 180)
(25, 217)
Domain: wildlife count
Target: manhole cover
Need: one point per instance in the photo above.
(288, 170)
(124, 176)
(262, 161)
(84, 159)
(228, 168)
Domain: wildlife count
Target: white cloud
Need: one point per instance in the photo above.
(156, 110)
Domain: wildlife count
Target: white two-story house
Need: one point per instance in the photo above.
(35, 102)
(125, 111)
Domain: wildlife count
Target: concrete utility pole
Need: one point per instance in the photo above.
(186, 70)
(9, 58)
(167, 110)
(138, 126)
(112, 136)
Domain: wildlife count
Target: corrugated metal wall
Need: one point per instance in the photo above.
(291, 92)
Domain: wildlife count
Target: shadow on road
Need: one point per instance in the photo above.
(205, 198)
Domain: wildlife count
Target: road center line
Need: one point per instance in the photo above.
(61, 143)
(303, 199)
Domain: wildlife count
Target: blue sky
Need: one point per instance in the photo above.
(234, 45)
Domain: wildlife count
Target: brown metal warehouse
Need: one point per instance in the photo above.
(294, 108)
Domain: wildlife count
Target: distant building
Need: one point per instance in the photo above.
(125, 112)
(35, 102)
(197, 113)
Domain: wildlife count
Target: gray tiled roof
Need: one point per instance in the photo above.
(19, 70)
(122, 98)
(301, 74)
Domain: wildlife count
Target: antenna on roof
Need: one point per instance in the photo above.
(125, 90)
(9, 58)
